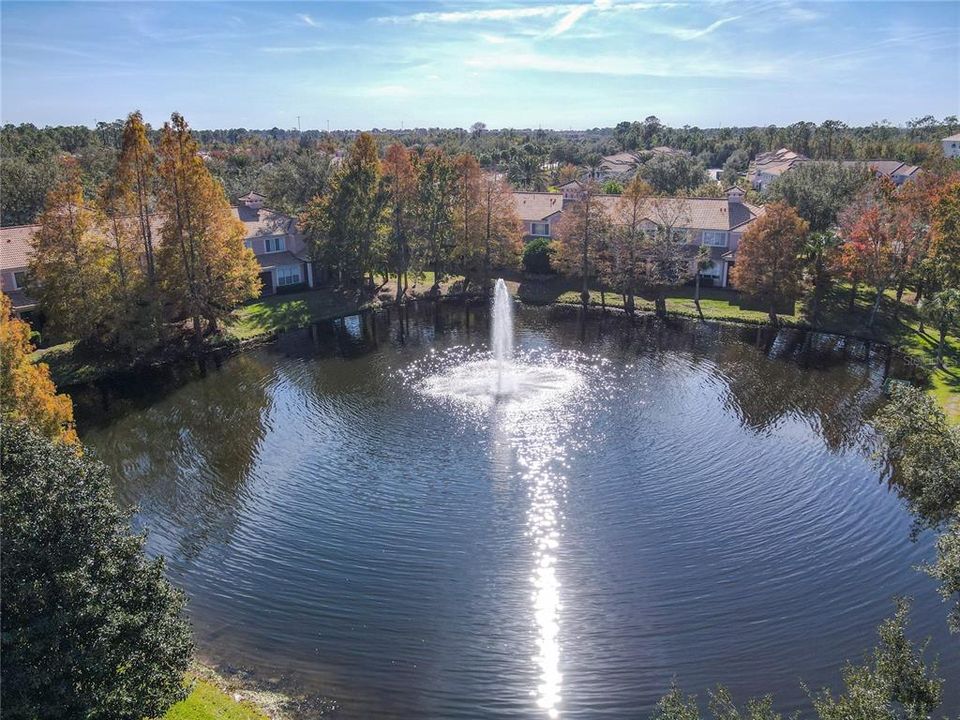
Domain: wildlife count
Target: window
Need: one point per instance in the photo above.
(248, 244)
(541, 229)
(713, 271)
(715, 238)
(19, 279)
(275, 244)
(288, 275)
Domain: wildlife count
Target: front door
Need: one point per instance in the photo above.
(266, 277)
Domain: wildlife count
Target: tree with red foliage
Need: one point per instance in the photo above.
(876, 230)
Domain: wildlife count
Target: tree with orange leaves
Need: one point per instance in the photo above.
(768, 257)
(70, 271)
(946, 234)
(27, 394)
(876, 229)
(400, 180)
(205, 268)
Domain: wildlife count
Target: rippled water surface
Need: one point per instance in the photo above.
(353, 511)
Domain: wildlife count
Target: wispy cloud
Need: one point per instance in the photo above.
(568, 20)
(693, 34)
(307, 20)
(479, 15)
(620, 66)
(570, 13)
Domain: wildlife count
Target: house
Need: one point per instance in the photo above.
(620, 166)
(278, 246)
(898, 172)
(539, 212)
(14, 258)
(767, 167)
(717, 223)
(951, 146)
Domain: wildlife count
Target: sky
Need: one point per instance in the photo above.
(362, 65)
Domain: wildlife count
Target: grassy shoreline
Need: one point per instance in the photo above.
(260, 322)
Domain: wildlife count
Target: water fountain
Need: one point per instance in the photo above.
(501, 333)
(503, 377)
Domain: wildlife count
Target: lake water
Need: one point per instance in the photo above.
(694, 503)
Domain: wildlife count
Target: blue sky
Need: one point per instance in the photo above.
(549, 64)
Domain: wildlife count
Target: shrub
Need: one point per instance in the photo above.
(537, 255)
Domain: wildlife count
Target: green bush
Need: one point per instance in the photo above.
(536, 256)
(90, 626)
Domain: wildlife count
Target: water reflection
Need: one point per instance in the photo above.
(690, 505)
(533, 423)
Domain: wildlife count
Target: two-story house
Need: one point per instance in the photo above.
(277, 244)
(717, 223)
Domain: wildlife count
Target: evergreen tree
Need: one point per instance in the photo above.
(90, 627)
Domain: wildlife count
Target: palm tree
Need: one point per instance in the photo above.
(943, 311)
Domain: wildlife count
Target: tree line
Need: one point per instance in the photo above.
(284, 162)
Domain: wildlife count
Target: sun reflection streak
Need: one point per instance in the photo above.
(537, 440)
(532, 421)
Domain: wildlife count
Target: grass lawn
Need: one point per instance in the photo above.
(208, 702)
(285, 312)
(898, 324)
(716, 303)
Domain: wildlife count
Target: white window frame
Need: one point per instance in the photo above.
(248, 244)
(714, 271)
(289, 275)
(279, 242)
(713, 234)
(545, 226)
(16, 283)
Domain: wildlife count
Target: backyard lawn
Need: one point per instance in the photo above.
(208, 702)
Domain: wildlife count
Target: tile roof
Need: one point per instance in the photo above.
(698, 213)
(263, 222)
(537, 205)
(15, 249)
(272, 260)
(15, 246)
(952, 138)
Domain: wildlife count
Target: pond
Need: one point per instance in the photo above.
(652, 502)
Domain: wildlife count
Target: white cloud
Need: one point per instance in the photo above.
(691, 34)
(307, 20)
(570, 13)
(568, 20)
(624, 66)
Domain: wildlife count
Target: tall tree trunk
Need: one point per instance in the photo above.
(696, 294)
(853, 297)
(941, 344)
(772, 313)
